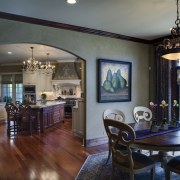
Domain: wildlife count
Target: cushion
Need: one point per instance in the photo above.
(174, 163)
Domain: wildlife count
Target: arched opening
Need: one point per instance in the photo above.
(58, 87)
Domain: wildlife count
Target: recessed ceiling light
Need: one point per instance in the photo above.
(9, 52)
(71, 1)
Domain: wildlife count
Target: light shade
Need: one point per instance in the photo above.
(171, 54)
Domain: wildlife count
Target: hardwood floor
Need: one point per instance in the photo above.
(53, 155)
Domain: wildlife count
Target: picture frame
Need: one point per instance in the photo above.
(114, 81)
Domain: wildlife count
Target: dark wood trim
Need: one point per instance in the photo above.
(31, 20)
(96, 141)
(158, 40)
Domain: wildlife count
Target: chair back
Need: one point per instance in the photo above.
(24, 111)
(114, 114)
(11, 110)
(124, 135)
(142, 113)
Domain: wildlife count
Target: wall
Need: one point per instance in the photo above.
(90, 48)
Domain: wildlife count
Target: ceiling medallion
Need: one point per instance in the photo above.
(170, 48)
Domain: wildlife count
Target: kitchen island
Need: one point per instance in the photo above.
(49, 113)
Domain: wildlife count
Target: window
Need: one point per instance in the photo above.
(7, 92)
(19, 92)
(12, 88)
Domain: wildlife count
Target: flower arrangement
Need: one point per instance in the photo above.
(163, 104)
(153, 107)
(43, 96)
(174, 121)
(164, 121)
(154, 127)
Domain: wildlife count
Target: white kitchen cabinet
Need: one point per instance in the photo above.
(3, 114)
(30, 77)
(48, 81)
(78, 119)
(41, 78)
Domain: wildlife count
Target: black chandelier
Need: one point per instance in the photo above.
(170, 48)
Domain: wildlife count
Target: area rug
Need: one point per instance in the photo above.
(95, 168)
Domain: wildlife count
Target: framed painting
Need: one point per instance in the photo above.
(114, 81)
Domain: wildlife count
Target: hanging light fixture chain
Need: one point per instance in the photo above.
(177, 22)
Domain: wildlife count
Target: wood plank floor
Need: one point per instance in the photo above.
(53, 155)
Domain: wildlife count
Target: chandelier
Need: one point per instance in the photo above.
(31, 64)
(48, 65)
(170, 48)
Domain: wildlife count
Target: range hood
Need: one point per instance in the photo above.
(65, 73)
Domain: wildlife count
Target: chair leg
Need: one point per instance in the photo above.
(153, 173)
(168, 174)
(150, 153)
(131, 176)
(113, 171)
(109, 155)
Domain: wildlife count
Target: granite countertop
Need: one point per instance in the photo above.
(46, 104)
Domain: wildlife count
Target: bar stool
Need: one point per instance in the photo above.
(28, 119)
(13, 121)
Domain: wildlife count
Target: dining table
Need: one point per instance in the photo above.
(163, 141)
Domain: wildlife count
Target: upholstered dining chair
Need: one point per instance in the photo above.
(142, 113)
(127, 160)
(13, 123)
(115, 114)
(173, 166)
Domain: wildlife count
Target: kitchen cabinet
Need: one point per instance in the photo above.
(3, 114)
(30, 77)
(41, 78)
(78, 117)
(44, 80)
(51, 115)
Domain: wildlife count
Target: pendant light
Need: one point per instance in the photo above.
(170, 49)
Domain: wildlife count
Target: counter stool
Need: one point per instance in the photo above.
(28, 119)
(173, 166)
(13, 120)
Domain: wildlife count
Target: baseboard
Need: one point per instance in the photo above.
(96, 141)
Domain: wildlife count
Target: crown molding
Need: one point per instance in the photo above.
(70, 27)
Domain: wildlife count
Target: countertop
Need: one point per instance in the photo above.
(46, 104)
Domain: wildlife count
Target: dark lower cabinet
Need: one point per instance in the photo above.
(51, 115)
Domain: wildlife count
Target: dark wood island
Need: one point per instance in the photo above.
(49, 114)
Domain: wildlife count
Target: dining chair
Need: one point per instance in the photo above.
(115, 114)
(173, 166)
(13, 121)
(142, 113)
(127, 160)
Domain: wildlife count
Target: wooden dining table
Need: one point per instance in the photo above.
(163, 141)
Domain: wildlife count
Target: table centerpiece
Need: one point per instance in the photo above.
(154, 125)
(175, 120)
(164, 121)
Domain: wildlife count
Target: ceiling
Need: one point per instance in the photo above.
(143, 19)
(21, 52)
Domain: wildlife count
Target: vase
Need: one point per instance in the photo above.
(164, 126)
(154, 128)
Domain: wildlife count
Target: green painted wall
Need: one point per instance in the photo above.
(90, 48)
